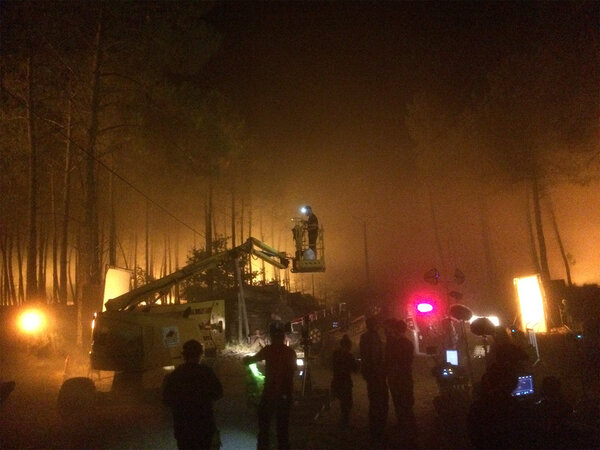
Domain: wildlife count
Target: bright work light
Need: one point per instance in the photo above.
(32, 321)
(494, 319)
(531, 300)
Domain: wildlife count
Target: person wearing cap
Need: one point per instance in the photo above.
(343, 365)
(276, 400)
(190, 391)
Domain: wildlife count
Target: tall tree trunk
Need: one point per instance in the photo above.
(242, 222)
(176, 251)
(208, 226)
(169, 256)
(209, 230)
(545, 270)
(42, 254)
(79, 280)
(21, 293)
(112, 234)
(101, 241)
(561, 247)
(72, 284)
(123, 254)
(78, 268)
(163, 269)
(147, 243)
(262, 238)
(250, 279)
(233, 218)
(90, 255)
(11, 276)
(55, 285)
(3, 280)
(4, 291)
(533, 253)
(64, 238)
(32, 281)
(151, 270)
(135, 262)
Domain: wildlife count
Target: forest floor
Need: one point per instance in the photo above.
(30, 418)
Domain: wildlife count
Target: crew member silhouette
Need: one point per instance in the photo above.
(399, 355)
(312, 226)
(343, 365)
(190, 391)
(373, 371)
(276, 400)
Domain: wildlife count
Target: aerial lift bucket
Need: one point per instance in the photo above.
(305, 259)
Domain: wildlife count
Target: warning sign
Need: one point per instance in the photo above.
(170, 336)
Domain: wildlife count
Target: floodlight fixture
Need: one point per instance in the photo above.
(32, 321)
(494, 319)
(530, 293)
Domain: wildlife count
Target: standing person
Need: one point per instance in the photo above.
(399, 355)
(505, 352)
(190, 392)
(373, 371)
(553, 413)
(496, 419)
(343, 364)
(591, 351)
(312, 226)
(256, 340)
(280, 362)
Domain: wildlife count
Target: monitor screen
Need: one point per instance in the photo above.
(525, 386)
(452, 357)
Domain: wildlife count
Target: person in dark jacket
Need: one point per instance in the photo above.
(496, 419)
(312, 226)
(373, 371)
(276, 400)
(399, 355)
(190, 391)
(343, 365)
(554, 413)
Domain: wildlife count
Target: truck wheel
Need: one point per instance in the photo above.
(315, 336)
(77, 398)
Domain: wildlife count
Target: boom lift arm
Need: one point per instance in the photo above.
(127, 338)
(158, 288)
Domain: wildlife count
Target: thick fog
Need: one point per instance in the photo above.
(415, 131)
(326, 99)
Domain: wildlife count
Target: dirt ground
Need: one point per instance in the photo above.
(29, 418)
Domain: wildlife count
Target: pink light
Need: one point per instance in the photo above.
(424, 307)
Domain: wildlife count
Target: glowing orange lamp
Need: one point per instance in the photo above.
(530, 293)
